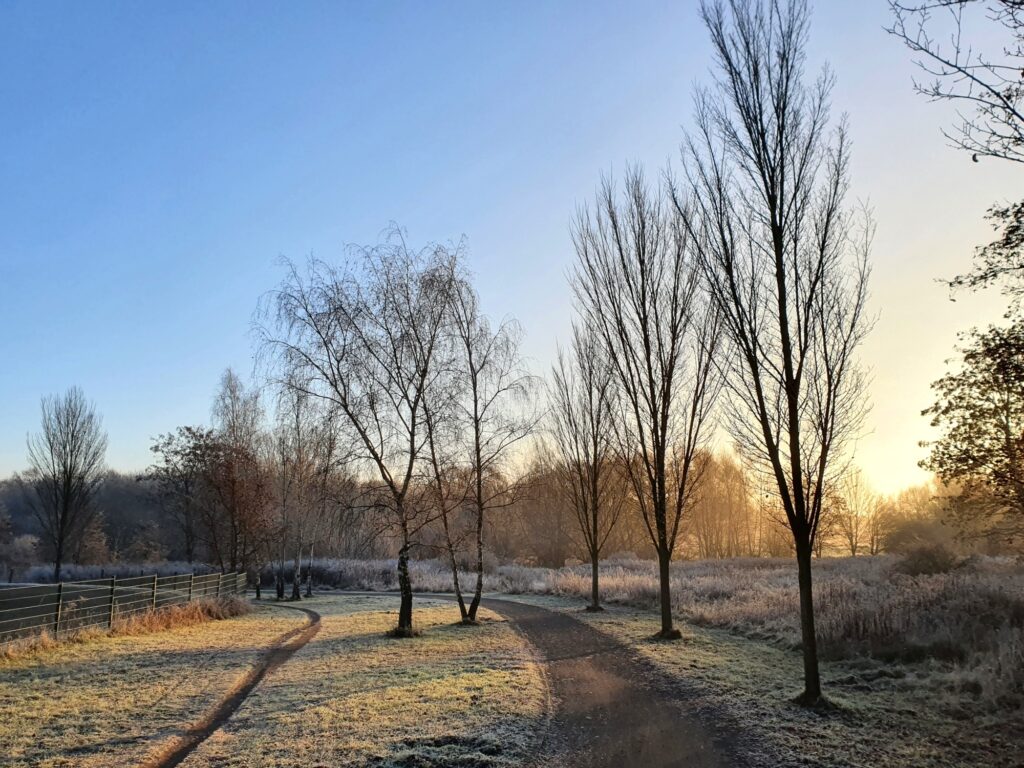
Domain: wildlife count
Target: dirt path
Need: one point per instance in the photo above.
(606, 715)
(277, 654)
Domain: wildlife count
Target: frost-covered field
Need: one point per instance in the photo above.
(109, 701)
(963, 628)
(351, 696)
(455, 695)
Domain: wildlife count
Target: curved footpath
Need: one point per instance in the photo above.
(605, 714)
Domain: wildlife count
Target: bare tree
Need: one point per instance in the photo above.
(66, 460)
(725, 521)
(583, 409)
(986, 85)
(237, 497)
(637, 287)
(364, 339)
(496, 408)
(784, 260)
(331, 480)
(855, 517)
(177, 479)
(541, 529)
(878, 525)
(989, 86)
(293, 458)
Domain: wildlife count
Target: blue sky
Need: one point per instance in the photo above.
(157, 159)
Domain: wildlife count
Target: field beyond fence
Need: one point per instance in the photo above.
(27, 610)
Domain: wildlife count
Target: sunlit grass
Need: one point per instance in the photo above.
(106, 701)
(452, 695)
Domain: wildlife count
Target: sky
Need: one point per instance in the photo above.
(157, 160)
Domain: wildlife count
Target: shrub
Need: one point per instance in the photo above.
(927, 560)
(467, 562)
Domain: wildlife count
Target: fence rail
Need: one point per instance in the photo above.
(31, 609)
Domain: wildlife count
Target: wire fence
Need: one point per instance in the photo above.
(32, 609)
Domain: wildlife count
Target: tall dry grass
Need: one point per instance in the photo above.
(163, 619)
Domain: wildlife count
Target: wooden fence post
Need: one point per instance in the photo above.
(56, 613)
(220, 580)
(155, 577)
(110, 606)
(191, 584)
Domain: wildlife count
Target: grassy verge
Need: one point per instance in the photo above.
(888, 714)
(170, 617)
(454, 695)
(107, 700)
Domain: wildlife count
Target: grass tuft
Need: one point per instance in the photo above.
(177, 616)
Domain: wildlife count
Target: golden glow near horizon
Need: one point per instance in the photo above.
(921, 240)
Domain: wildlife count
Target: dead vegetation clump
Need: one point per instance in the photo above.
(928, 559)
(185, 615)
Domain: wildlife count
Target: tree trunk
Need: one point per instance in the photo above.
(404, 628)
(595, 546)
(297, 576)
(668, 632)
(454, 565)
(309, 573)
(809, 644)
(478, 591)
(61, 539)
(595, 595)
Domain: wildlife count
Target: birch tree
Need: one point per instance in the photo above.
(497, 412)
(363, 337)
